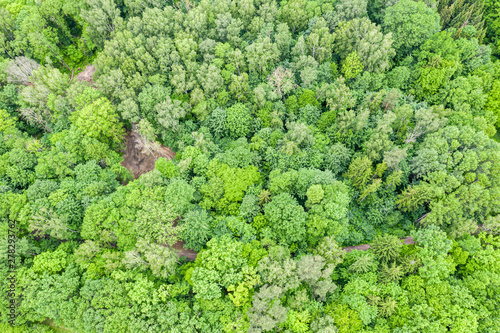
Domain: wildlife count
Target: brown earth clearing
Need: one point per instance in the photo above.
(86, 74)
(182, 252)
(136, 160)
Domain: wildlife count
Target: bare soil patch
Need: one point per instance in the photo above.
(87, 74)
(182, 252)
(136, 160)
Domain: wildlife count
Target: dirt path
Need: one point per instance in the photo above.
(87, 74)
(191, 255)
(179, 248)
(137, 161)
(364, 247)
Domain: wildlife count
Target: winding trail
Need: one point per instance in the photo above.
(191, 255)
(364, 247)
(138, 163)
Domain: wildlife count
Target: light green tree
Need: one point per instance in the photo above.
(99, 120)
(373, 47)
(411, 23)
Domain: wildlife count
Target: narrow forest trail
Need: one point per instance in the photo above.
(139, 162)
(364, 247)
(191, 255)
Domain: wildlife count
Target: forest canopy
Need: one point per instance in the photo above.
(336, 166)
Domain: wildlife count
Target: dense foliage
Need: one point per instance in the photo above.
(299, 126)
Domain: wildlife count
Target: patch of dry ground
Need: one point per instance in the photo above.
(86, 74)
(137, 161)
(182, 252)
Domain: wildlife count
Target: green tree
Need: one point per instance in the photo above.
(51, 32)
(238, 121)
(47, 222)
(267, 311)
(493, 103)
(492, 23)
(337, 159)
(352, 66)
(162, 260)
(262, 55)
(286, 218)
(295, 15)
(210, 79)
(99, 120)
(220, 265)
(102, 18)
(348, 10)
(169, 112)
(458, 14)
(197, 229)
(411, 23)
(50, 85)
(320, 41)
(372, 46)
(454, 200)
(386, 247)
